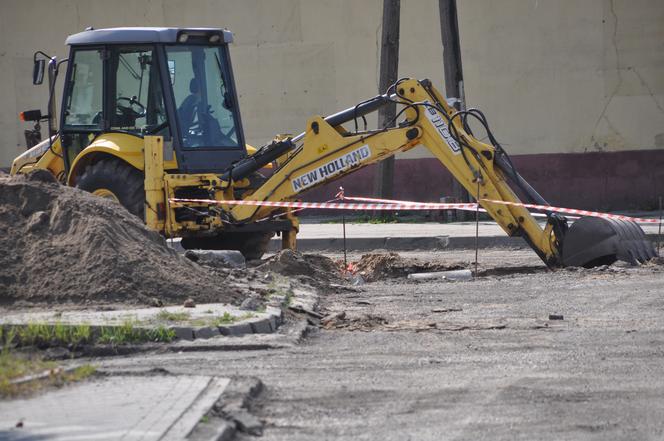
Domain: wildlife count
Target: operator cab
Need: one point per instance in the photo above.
(176, 83)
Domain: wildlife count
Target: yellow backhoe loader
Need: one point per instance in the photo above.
(151, 115)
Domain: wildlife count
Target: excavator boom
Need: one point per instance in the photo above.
(326, 151)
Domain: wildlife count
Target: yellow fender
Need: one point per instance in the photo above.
(120, 145)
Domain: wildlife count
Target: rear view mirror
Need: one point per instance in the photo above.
(38, 72)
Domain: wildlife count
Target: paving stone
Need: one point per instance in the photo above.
(273, 322)
(236, 329)
(129, 407)
(247, 422)
(183, 333)
(206, 332)
(261, 326)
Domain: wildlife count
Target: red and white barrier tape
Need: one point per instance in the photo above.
(579, 212)
(341, 196)
(370, 204)
(333, 205)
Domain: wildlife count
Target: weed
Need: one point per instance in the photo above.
(15, 366)
(288, 298)
(161, 334)
(81, 372)
(128, 333)
(41, 334)
(225, 319)
(168, 316)
(205, 419)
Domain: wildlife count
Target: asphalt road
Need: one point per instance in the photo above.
(466, 361)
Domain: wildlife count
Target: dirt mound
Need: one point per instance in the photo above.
(377, 266)
(62, 245)
(310, 268)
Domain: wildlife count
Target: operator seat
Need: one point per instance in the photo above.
(187, 110)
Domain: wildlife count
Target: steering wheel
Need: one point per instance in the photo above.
(134, 109)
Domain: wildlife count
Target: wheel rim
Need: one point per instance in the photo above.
(106, 194)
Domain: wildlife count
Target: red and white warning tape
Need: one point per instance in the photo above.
(473, 206)
(370, 204)
(579, 212)
(331, 205)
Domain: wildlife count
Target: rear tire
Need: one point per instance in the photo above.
(251, 245)
(115, 179)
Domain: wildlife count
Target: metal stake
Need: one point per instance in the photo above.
(477, 225)
(343, 221)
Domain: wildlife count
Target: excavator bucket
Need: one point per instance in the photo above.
(594, 241)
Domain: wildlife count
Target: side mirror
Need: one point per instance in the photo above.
(38, 72)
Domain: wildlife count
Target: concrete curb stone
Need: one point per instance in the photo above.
(182, 333)
(206, 332)
(262, 326)
(236, 330)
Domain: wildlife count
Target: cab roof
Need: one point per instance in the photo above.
(143, 35)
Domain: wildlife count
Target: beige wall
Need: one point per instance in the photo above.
(552, 76)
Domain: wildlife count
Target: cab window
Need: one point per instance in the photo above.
(83, 107)
(205, 110)
(138, 99)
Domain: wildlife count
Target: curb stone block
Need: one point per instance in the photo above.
(262, 326)
(236, 330)
(273, 322)
(182, 333)
(206, 332)
(247, 422)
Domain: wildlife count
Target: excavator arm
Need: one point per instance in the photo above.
(327, 151)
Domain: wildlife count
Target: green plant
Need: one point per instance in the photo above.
(168, 316)
(225, 319)
(127, 333)
(161, 334)
(35, 334)
(288, 299)
(15, 366)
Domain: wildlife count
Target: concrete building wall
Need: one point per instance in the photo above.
(565, 83)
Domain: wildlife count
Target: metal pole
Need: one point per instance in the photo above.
(389, 70)
(659, 233)
(449, 33)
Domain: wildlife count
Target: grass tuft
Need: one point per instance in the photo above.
(16, 366)
(167, 316)
(128, 333)
(42, 334)
(225, 319)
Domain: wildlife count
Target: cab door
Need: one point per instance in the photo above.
(209, 131)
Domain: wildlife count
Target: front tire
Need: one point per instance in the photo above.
(117, 180)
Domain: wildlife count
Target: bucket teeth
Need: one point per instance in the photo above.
(593, 241)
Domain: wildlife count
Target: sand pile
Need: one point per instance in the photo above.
(62, 245)
(311, 269)
(378, 266)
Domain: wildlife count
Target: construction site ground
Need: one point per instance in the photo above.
(520, 353)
